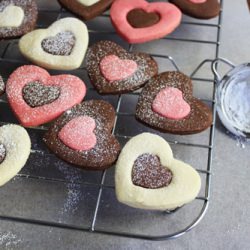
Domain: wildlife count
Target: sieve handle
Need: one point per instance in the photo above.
(215, 64)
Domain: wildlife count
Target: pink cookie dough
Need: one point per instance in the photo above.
(170, 18)
(169, 103)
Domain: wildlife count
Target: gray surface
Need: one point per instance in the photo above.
(225, 226)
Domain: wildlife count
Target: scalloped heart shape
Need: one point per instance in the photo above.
(183, 188)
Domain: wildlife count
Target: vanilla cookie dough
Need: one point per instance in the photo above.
(14, 151)
(61, 46)
(148, 177)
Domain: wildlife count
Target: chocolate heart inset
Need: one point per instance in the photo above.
(139, 18)
(148, 172)
(61, 45)
(2, 153)
(36, 94)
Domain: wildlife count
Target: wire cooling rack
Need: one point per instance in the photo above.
(49, 192)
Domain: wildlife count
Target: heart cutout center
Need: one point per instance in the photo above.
(2, 153)
(169, 103)
(61, 45)
(36, 94)
(11, 16)
(139, 18)
(78, 133)
(148, 172)
(114, 69)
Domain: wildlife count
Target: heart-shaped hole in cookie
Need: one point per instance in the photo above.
(61, 45)
(36, 94)
(78, 133)
(2, 153)
(139, 18)
(169, 103)
(114, 69)
(148, 172)
(11, 16)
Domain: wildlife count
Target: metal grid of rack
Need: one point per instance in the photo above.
(101, 185)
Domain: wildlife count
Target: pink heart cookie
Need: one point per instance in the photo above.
(115, 69)
(170, 18)
(78, 133)
(71, 92)
(169, 103)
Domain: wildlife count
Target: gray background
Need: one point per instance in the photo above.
(226, 224)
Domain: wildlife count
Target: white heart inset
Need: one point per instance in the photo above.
(16, 142)
(88, 2)
(31, 45)
(12, 16)
(183, 188)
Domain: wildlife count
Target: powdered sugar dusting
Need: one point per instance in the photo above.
(2, 85)
(9, 240)
(2, 153)
(169, 103)
(148, 172)
(146, 68)
(114, 69)
(62, 44)
(78, 133)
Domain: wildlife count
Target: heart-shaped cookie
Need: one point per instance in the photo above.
(17, 17)
(92, 121)
(192, 116)
(140, 21)
(37, 98)
(202, 9)
(86, 9)
(148, 177)
(61, 46)
(112, 70)
(14, 151)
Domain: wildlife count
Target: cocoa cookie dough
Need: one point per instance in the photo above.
(166, 103)
(112, 70)
(17, 17)
(82, 136)
(86, 9)
(206, 10)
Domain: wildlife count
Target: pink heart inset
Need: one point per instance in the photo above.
(78, 133)
(115, 69)
(169, 103)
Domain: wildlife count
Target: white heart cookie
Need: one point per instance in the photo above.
(183, 188)
(88, 2)
(11, 16)
(15, 144)
(31, 44)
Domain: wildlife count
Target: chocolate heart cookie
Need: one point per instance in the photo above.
(112, 70)
(86, 9)
(14, 151)
(36, 97)
(82, 136)
(200, 9)
(61, 46)
(17, 17)
(166, 103)
(148, 177)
